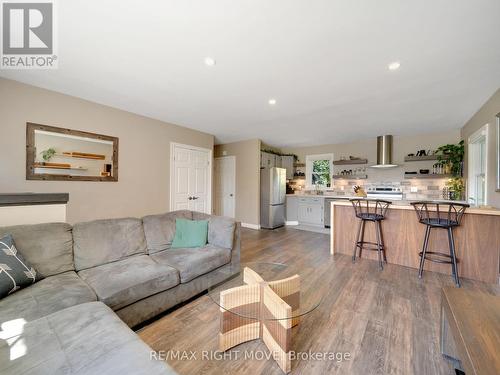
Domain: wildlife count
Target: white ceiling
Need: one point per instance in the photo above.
(325, 62)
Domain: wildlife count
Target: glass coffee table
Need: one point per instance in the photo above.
(264, 301)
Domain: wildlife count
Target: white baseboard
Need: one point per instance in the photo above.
(251, 226)
(291, 222)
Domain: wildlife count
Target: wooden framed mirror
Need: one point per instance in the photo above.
(58, 154)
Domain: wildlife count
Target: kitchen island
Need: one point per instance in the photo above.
(477, 240)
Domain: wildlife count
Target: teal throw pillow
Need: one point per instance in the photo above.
(190, 233)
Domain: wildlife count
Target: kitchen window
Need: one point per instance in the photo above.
(318, 170)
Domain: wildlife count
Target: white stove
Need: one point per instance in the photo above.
(385, 192)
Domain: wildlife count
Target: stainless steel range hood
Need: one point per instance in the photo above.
(384, 152)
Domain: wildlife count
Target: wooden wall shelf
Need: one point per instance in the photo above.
(59, 167)
(299, 165)
(421, 158)
(350, 162)
(81, 156)
(428, 176)
(349, 177)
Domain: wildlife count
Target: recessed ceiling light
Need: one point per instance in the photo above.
(272, 101)
(394, 65)
(209, 61)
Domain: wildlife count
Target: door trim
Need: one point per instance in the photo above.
(173, 145)
(233, 157)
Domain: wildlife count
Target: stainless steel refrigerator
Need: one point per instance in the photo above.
(272, 197)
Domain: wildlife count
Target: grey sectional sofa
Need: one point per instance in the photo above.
(98, 278)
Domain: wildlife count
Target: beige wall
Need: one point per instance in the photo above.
(367, 148)
(143, 186)
(247, 178)
(487, 115)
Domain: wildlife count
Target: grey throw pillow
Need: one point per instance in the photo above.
(15, 272)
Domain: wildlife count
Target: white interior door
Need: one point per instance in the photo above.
(225, 186)
(191, 178)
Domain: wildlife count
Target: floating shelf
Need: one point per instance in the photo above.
(64, 168)
(69, 156)
(350, 162)
(349, 177)
(299, 177)
(428, 176)
(421, 158)
(299, 165)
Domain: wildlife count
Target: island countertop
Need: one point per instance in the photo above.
(406, 205)
(477, 239)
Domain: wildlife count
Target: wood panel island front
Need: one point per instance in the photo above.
(477, 240)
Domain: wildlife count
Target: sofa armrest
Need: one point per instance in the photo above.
(236, 249)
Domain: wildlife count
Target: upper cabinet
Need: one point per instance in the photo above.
(287, 163)
(268, 160)
(277, 161)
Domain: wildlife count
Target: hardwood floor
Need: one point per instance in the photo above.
(387, 321)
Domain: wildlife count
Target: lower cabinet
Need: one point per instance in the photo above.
(292, 208)
(310, 211)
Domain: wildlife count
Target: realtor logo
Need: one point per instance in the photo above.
(28, 35)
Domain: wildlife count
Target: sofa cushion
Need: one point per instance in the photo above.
(47, 247)
(15, 272)
(190, 233)
(103, 241)
(220, 229)
(51, 294)
(126, 281)
(160, 229)
(84, 339)
(193, 262)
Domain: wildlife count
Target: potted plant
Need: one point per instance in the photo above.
(48, 154)
(451, 157)
(456, 188)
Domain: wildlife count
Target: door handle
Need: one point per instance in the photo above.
(190, 198)
(194, 198)
(230, 195)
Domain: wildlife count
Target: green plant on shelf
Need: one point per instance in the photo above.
(452, 156)
(48, 154)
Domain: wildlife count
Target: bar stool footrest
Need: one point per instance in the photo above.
(364, 243)
(437, 257)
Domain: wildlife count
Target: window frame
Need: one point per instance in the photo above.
(309, 166)
(475, 166)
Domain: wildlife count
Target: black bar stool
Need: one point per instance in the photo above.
(443, 215)
(373, 210)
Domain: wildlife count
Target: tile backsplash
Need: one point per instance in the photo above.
(425, 188)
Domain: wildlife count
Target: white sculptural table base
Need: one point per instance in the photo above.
(260, 309)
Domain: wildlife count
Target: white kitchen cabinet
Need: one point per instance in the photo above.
(265, 160)
(292, 208)
(268, 160)
(316, 213)
(277, 161)
(287, 163)
(310, 211)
